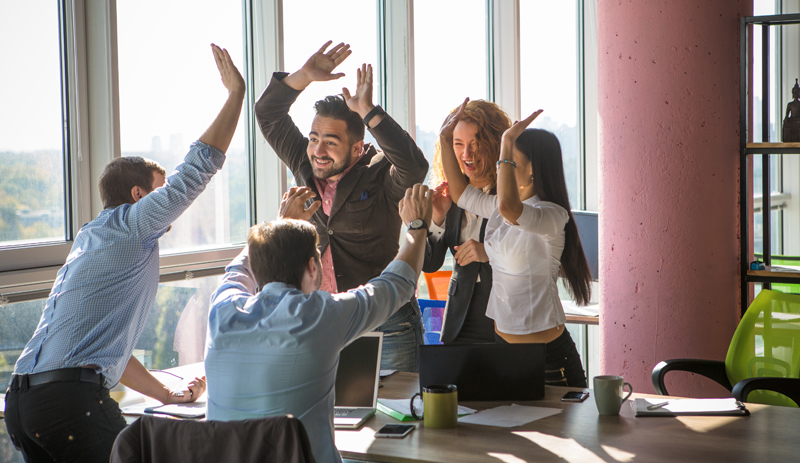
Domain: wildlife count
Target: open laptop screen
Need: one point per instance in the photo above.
(357, 376)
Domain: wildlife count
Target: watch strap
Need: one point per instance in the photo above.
(373, 112)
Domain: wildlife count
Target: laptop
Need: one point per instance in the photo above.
(485, 371)
(357, 382)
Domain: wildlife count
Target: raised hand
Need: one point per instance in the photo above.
(320, 66)
(293, 205)
(511, 135)
(361, 102)
(231, 78)
(470, 251)
(446, 133)
(441, 203)
(416, 204)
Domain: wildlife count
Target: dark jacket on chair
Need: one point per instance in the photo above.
(462, 284)
(154, 440)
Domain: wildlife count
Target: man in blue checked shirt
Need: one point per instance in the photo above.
(275, 350)
(58, 406)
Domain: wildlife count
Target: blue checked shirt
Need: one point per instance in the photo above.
(276, 351)
(104, 293)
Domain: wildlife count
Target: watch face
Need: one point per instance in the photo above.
(416, 224)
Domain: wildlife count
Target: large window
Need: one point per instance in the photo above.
(450, 62)
(123, 78)
(168, 98)
(32, 194)
(550, 80)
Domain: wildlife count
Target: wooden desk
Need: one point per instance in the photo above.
(580, 434)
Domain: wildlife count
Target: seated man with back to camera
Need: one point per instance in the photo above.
(58, 406)
(276, 351)
(359, 187)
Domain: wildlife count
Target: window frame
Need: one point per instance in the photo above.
(92, 122)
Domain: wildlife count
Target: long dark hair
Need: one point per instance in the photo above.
(544, 151)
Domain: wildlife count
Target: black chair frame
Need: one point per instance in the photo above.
(712, 369)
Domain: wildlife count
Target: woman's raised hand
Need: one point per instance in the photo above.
(446, 134)
(511, 135)
(441, 203)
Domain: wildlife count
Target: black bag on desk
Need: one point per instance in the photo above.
(485, 372)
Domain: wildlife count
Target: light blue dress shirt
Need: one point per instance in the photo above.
(104, 293)
(276, 352)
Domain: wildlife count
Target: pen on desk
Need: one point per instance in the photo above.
(658, 405)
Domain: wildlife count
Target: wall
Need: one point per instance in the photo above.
(668, 86)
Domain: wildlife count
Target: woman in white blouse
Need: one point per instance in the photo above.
(531, 239)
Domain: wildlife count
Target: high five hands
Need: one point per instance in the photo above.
(231, 78)
(510, 136)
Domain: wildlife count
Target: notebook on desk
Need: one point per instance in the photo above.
(485, 371)
(357, 382)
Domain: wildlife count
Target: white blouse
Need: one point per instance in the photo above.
(525, 262)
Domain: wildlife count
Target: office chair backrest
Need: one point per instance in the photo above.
(767, 343)
(152, 439)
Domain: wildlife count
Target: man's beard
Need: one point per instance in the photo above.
(332, 170)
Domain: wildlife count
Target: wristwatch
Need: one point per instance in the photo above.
(419, 224)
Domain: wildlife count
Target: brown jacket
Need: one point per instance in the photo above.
(363, 229)
(153, 440)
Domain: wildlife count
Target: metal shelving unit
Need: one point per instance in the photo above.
(765, 277)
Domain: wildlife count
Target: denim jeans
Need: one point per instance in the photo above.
(402, 333)
(63, 421)
(562, 363)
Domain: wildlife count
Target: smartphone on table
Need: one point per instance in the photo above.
(395, 430)
(575, 396)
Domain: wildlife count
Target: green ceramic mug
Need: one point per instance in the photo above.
(609, 393)
(440, 406)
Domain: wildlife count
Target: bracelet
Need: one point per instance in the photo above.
(373, 112)
(506, 161)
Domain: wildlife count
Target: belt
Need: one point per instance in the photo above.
(86, 375)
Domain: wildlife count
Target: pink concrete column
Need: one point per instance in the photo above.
(669, 138)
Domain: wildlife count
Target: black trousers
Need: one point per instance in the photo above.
(562, 363)
(63, 421)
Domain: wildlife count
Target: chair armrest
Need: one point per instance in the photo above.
(712, 369)
(790, 387)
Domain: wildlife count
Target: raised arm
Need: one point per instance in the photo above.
(409, 165)
(456, 181)
(272, 107)
(220, 133)
(509, 204)
(319, 67)
(152, 214)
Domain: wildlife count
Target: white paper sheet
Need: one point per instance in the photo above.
(509, 416)
(571, 308)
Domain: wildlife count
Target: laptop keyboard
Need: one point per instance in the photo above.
(342, 411)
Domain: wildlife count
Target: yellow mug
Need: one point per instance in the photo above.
(440, 406)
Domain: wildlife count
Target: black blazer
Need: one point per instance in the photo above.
(462, 284)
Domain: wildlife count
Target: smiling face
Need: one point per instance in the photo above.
(329, 148)
(465, 145)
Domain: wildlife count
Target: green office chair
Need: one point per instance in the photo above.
(763, 361)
